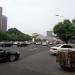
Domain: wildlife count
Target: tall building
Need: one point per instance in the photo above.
(0, 11)
(49, 33)
(0, 18)
(4, 23)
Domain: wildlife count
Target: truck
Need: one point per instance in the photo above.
(66, 58)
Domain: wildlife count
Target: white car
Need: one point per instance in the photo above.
(44, 43)
(55, 49)
(38, 43)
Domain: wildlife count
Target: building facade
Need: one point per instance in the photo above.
(0, 18)
(51, 37)
(3, 21)
(49, 33)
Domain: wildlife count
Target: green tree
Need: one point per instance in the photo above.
(73, 20)
(4, 36)
(65, 30)
(17, 35)
(14, 34)
(14, 31)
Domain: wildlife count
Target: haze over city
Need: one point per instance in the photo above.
(37, 16)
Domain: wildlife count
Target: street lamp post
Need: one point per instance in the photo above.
(63, 17)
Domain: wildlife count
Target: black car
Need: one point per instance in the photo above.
(6, 44)
(22, 44)
(9, 55)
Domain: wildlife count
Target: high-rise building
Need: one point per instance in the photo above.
(0, 11)
(49, 33)
(4, 23)
(0, 18)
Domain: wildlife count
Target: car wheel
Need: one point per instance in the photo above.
(12, 58)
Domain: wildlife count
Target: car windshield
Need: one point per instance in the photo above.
(67, 46)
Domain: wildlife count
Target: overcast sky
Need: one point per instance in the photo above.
(37, 16)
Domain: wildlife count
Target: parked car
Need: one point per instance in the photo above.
(8, 55)
(38, 43)
(58, 47)
(22, 44)
(6, 44)
(28, 42)
(50, 43)
(15, 42)
(44, 43)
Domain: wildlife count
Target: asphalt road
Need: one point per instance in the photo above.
(34, 60)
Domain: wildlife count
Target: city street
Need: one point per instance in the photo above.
(34, 60)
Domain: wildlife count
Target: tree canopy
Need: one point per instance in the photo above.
(4, 36)
(14, 34)
(65, 30)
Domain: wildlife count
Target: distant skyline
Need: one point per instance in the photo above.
(37, 16)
